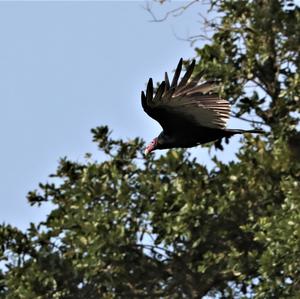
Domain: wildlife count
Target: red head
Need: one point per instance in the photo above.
(151, 146)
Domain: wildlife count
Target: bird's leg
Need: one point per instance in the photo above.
(218, 144)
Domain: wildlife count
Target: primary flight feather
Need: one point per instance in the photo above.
(190, 112)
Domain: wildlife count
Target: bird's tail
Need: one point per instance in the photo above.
(231, 132)
(240, 131)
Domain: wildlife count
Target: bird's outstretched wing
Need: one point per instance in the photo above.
(178, 106)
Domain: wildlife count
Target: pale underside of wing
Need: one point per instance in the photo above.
(187, 103)
(206, 110)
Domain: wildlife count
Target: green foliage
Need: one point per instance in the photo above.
(257, 42)
(167, 227)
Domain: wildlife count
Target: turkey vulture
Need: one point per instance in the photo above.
(190, 112)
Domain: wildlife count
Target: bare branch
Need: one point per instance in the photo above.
(262, 86)
(246, 119)
(207, 26)
(192, 39)
(174, 12)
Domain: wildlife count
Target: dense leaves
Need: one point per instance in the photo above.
(168, 227)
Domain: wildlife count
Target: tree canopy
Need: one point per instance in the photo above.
(132, 226)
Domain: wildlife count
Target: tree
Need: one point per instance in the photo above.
(167, 227)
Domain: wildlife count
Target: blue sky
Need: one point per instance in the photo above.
(66, 67)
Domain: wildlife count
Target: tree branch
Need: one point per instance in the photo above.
(246, 119)
(174, 12)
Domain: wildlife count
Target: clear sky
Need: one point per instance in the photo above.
(66, 67)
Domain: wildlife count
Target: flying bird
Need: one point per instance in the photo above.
(189, 111)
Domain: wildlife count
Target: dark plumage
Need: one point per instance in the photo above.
(190, 112)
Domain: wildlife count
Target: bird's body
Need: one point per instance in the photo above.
(197, 136)
(190, 138)
(190, 112)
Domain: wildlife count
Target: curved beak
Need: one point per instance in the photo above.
(147, 150)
